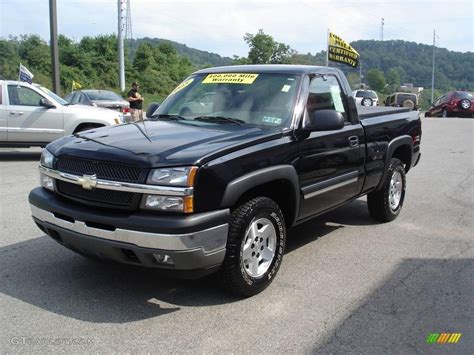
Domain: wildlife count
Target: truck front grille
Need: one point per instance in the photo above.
(103, 169)
(102, 197)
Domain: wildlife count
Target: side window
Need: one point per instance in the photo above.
(75, 98)
(325, 94)
(23, 96)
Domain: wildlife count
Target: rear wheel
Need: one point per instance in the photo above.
(409, 104)
(386, 203)
(255, 247)
(367, 101)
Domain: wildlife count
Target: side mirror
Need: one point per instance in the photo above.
(46, 103)
(325, 120)
(152, 108)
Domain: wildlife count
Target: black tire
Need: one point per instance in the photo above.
(465, 104)
(427, 114)
(367, 101)
(444, 113)
(234, 274)
(378, 201)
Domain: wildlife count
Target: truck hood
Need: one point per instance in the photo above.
(152, 144)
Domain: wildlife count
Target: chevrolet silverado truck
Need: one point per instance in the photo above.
(214, 178)
(32, 115)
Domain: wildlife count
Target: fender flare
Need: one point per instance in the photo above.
(392, 146)
(237, 187)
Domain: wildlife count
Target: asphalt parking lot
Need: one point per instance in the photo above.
(346, 284)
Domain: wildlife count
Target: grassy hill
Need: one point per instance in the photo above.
(198, 58)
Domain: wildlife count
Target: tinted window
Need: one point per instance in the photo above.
(23, 96)
(366, 93)
(403, 97)
(462, 95)
(325, 94)
(103, 96)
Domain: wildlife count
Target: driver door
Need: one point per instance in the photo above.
(28, 121)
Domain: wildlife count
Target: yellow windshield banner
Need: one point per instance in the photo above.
(230, 78)
(342, 52)
(182, 86)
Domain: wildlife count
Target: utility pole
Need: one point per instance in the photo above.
(53, 24)
(432, 73)
(121, 55)
(381, 29)
(360, 74)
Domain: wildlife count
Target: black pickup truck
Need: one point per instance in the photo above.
(215, 176)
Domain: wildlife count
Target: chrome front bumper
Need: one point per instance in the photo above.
(196, 242)
(208, 240)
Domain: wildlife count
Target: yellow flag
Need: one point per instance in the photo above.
(341, 51)
(76, 85)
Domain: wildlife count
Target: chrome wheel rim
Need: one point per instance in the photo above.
(366, 102)
(465, 105)
(258, 247)
(396, 188)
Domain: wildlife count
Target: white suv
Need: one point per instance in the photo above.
(366, 97)
(32, 115)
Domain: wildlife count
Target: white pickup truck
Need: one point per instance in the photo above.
(32, 115)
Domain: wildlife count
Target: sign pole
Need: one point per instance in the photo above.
(327, 48)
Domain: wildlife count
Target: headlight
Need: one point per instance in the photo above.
(173, 176)
(176, 177)
(47, 159)
(168, 203)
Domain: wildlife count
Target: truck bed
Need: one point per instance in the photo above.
(372, 111)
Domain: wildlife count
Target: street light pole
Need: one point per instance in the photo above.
(433, 70)
(53, 23)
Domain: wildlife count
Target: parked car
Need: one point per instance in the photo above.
(366, 97)
(100, 98)
(402, 99)
(32, 115)
(216, 192)
(456, 103)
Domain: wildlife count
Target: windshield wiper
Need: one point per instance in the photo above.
(168, 117)
(220, 119)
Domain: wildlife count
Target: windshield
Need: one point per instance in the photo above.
(265, 100)
(103, 95)
(53, 95)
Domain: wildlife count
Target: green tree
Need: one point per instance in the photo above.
(265, 50)
(394, 79)
(354, 80)
(376, 80)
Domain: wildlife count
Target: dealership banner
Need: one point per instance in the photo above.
(340, 51)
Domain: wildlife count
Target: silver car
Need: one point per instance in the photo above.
(100, 98)
(32, 115)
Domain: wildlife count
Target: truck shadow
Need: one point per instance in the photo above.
(420, 297)
(15, 155)
(42, 273)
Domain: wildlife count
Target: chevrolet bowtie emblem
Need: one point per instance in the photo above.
(88, 182)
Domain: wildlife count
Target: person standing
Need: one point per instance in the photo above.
(136, 102)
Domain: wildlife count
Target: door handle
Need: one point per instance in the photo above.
(16, 113)
(353, 141)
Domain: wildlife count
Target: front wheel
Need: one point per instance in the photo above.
(386, 203)
(255, 247)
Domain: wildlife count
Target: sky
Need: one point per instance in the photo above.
(219, 26)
